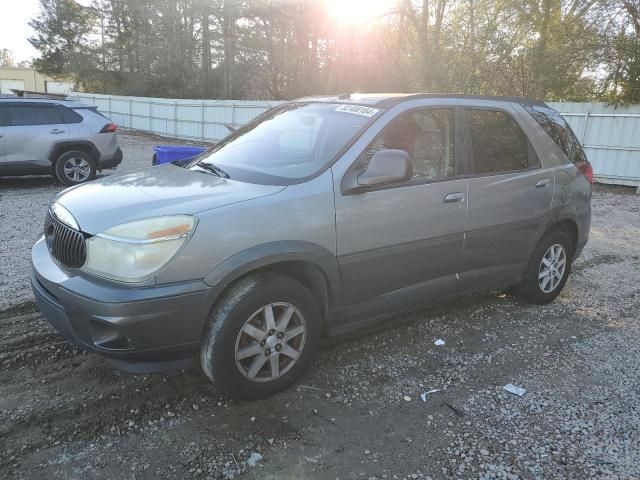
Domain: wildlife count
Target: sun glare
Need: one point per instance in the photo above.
(359, 11)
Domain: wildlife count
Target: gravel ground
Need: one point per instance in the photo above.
(357, 414)
(24, 202)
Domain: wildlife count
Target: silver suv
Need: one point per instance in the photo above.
(67, 139)
(320, 216)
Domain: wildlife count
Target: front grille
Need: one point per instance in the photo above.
(65, 244)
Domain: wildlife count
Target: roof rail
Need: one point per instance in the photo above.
(31, 94)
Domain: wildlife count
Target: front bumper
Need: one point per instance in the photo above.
(138, 329)
(111, 161)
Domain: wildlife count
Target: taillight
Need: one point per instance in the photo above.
(586, 169)
(109, 128)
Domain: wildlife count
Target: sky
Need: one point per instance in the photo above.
(14, 30)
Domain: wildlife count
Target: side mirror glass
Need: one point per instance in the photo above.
(387, 167)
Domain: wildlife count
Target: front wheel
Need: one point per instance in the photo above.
(73, 168)
(548, 269)
(261, 336)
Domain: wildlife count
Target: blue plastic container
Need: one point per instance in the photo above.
(169, 153)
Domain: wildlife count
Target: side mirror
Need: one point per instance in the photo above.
(386, 167)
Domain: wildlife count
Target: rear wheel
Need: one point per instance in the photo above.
(548, 269)
(75, 167)
(261, 336)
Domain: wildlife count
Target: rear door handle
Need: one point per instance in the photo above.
(542, 183)
(56, 131)
(454, 197)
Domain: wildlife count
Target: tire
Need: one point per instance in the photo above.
(538, 288)
(245, 305)
(75, 167)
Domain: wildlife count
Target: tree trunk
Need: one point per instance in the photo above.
(206, 52)
(228, 35)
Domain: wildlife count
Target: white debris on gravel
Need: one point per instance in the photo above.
(254, 459)
(519, 391)
(425, 395)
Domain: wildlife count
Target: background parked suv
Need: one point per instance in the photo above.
(67, 139)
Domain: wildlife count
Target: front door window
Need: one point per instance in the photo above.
(427, 136)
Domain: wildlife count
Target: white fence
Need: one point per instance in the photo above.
(201, 120)
(610, 135)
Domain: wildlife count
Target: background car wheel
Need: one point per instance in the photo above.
(75, 167)
(261, 335)
(548, 269)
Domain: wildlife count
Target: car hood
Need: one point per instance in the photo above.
(155, 191)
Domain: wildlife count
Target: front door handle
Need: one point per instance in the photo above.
(454, 197)
(543, 183)
(56, 131)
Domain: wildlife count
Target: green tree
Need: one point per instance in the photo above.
(280, 49)
(61, 35)
(622, 60)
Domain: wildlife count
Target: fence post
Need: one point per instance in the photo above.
(584, 127)
(175, 119)
(151, 116)
(233, 114)
(130, 115)
(109, 100)
(202, 121)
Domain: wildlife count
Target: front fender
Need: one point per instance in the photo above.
(261, 256)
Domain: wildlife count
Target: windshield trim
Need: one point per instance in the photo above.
(285, 181)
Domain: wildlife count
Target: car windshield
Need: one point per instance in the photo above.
(286, 143)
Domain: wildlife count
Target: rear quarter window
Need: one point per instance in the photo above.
(559, 130)
(68, 115)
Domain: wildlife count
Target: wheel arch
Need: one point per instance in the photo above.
(60, 148)
(567, 224)
(312, 265)
(570, 227)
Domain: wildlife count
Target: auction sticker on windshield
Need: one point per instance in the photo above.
(358, 110)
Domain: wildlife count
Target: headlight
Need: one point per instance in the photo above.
(134, 251)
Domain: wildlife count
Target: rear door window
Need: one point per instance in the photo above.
(559, 130)
(23, 115)
(498, 143)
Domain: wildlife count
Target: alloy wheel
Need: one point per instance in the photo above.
(270, 342)
(552, 268)
(76, 169)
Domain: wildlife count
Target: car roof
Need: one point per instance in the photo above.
(388, 100)
(50, 101)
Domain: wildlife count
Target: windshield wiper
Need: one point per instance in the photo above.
(209, 167)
